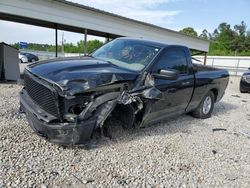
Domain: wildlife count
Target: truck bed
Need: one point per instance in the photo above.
(200, 68)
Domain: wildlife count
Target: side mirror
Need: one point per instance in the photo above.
(249, 68)
(168, 74)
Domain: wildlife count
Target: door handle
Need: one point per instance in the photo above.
(185, 83)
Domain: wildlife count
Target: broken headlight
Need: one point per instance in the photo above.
(76, 109)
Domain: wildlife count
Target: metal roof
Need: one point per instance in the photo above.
(122, 17)
(75, 17)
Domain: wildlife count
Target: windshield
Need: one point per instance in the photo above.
(130, 54)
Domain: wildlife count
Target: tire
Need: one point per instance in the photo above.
(206, 107)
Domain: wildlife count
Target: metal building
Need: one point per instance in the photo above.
(68, 16)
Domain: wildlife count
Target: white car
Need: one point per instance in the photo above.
(22, 58)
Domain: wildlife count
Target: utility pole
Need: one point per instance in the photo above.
(62, 42)
(85, 42)
(56, 40)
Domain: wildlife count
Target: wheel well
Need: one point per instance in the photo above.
(124, 114)
(215, 92)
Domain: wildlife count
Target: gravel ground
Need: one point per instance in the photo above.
(182, 152)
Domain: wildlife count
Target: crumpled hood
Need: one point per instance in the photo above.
(80, 73)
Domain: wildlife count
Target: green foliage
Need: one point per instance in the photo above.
(71, 48)
(68, 47)
(205, 35)
(189, 31)
(93, 45)
(226, 40)
(230, 41)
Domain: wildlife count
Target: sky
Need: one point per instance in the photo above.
(171, 14)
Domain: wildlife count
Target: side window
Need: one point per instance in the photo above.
(173, 59)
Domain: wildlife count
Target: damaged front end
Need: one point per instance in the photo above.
(67, 116)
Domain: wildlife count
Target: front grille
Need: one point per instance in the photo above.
(41, 95)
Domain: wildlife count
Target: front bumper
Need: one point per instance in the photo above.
(48, 126)
(244, 86)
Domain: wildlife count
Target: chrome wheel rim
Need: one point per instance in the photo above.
(207, 105)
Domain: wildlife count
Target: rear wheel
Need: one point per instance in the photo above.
(206, 106)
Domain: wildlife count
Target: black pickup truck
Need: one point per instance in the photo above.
(134, 81)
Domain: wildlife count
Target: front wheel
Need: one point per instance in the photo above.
(206, 106)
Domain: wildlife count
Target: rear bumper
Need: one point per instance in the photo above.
(48, 127)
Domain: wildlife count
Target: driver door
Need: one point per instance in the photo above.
(176, 93)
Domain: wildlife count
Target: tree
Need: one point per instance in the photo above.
(230, 41)
(215, 34)
(68, 47)
(80, 46)
(241, 29)
(225, 40)
(240, 39)
(189, 31)
(204, 34)
(223, 37)
(248, 40)
(93, 45)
